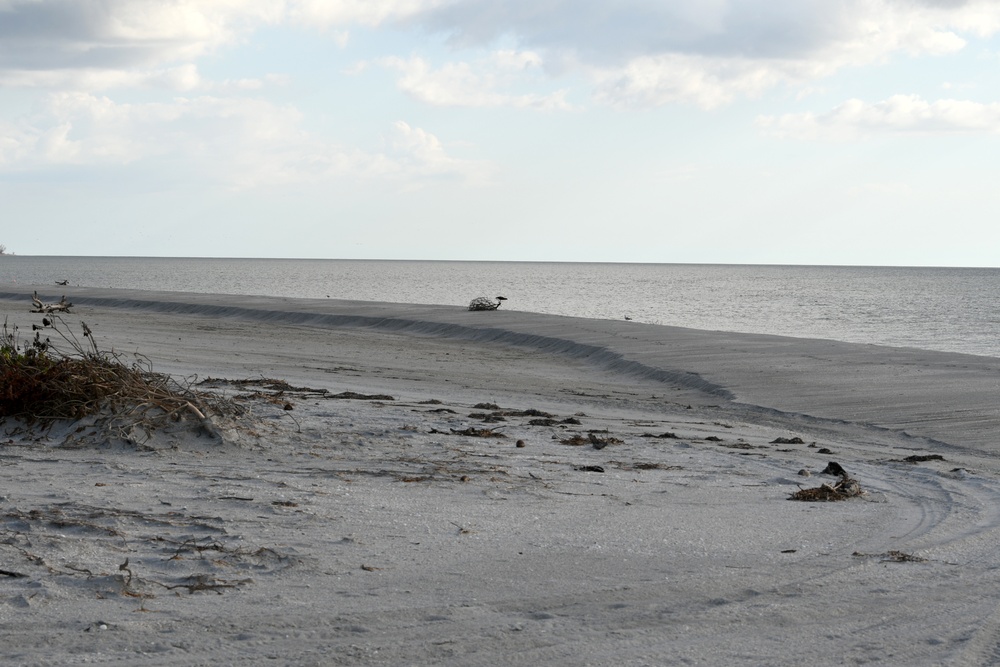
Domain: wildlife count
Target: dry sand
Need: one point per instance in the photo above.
(365, 531)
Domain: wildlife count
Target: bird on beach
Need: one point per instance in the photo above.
(62, 282)
(628, 318)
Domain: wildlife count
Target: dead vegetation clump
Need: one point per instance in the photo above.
(921, 458)
(668, 435)
(828, 492)
(568, 421)
(485, 303)
(490, 418)
(845, 489)
(276, 391)
(355, 396)
(598, 442)
(640, 465)
(530, 412)
(473, 432)
(740, 445)
(788, 441)
(42, 382)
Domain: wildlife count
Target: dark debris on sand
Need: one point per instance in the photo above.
(845, 489)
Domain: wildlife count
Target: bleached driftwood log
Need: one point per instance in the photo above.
(62, 306)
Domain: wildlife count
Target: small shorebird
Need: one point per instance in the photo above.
(628, 318)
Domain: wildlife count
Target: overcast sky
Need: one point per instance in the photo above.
(730, 131)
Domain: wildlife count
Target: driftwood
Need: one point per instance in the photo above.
(485, 303)
(62, 306)
(842, 490)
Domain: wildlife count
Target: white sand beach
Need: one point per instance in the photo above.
(645, 520)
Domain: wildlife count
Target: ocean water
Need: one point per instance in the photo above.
(949, 309)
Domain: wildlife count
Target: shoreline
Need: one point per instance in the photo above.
(916, 308)
(380, 530)
(950, 398)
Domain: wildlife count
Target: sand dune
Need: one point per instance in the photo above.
(373, 531)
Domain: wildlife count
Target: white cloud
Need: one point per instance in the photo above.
(478, 84)
(55, 35)
(327, 13)
(420, 152)
(179, 79)
(607, 33)
(711, 52)
(637, 52)
(855, 34)
(59, 34)
(705, 82)
(91, 45)
(899, 114)
(239, 143)
(97, 45)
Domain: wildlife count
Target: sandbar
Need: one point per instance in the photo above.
(644, 520)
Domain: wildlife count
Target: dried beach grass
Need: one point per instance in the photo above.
(44, 382)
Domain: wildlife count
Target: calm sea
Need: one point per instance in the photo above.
(950, 309)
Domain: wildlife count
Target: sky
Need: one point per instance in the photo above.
(858, 132)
